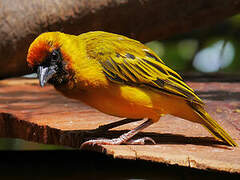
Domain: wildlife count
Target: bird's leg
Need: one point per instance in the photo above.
(123, 138)
(115, 124)
(105, 127)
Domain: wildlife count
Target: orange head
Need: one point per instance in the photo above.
(46, 57)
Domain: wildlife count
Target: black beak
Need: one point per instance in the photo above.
(45, 73)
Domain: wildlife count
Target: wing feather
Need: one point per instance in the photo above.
(127, 61)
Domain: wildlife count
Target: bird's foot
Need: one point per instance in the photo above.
(123, 139)
(117, 141)
(141, 141)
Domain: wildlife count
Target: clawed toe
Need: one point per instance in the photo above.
(116, 141)
(101, 141)
(141, 141)
(124, 138)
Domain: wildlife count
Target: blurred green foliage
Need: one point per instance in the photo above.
(179, 53)
(19, 144)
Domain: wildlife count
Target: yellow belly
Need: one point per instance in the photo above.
(131, 102)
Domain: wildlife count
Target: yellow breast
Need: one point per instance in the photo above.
(128, 101)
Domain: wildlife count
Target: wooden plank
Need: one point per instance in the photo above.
(45, 116)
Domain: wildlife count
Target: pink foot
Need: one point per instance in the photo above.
(123, 139)
(141, 141)
(117, 141)
(101, 141)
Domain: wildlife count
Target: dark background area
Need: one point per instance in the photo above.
(85, 165)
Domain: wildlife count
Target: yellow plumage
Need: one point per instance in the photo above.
(122, 77)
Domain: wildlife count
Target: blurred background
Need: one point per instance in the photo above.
(212, 50)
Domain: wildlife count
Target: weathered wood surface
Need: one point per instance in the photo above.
(42, 115)
(145, 20)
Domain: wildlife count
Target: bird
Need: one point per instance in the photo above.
(118, 76)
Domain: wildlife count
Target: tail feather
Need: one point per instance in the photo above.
(213, 127)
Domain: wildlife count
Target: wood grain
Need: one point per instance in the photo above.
(45, 116)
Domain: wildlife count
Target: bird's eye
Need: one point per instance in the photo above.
(55, 55)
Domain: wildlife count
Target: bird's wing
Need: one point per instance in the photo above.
(127, 61)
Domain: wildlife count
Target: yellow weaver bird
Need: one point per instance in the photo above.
(118, 76)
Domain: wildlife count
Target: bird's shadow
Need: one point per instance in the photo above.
(80, 136)
(219, 95)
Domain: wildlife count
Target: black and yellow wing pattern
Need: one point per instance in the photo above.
(129, 62)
